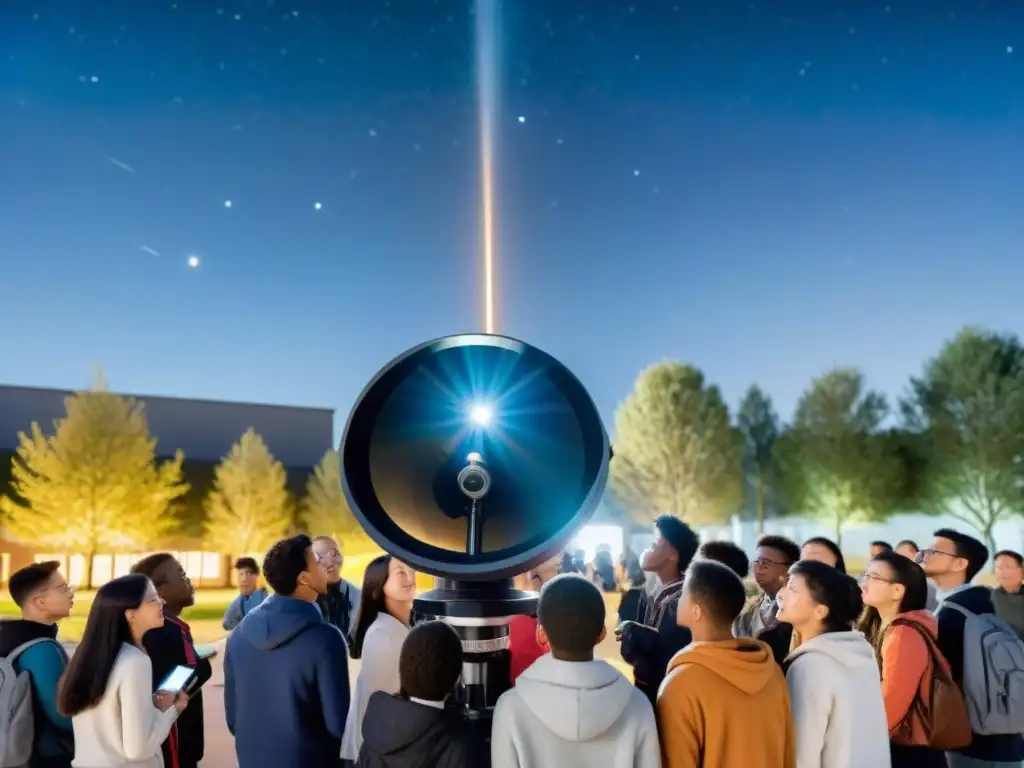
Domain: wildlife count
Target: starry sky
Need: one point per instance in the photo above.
(267, 200)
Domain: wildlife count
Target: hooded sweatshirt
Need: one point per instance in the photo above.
(836, 695)
(286, 692)
(45, 662)
(579, 713)
(724, 704)
(398, 733)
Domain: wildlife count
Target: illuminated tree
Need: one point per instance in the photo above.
(326, 509)
(839, 463)
(759, 426)
(675, 450)
(94, 484)
(249, 507)
(967, 411)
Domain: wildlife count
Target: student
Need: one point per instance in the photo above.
(833, 680)
(414, 728)
(726, 553)
(286, 692)
(384, 619)
(724, 702)
(905, 638)
(653, 638)
(170, 645)
(250, 594)
(774, 555)
(823, 550)
(909, 548)
(952, 560)
(877, 547)
(523, 646)
(106, 691)
(1007, 598)
(340, 603)
(44, 598)
(569, 708)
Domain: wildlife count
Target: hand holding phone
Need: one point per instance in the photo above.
(177, 680)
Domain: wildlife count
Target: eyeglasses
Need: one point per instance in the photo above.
(868, 576)
(764, 562)
(929, 552)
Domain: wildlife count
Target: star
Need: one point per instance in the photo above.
(522, 119)
(227, 203)
(1009, 49)
(317, 206)
(636, 172)
(193, 262)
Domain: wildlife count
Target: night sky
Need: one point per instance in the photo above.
(763, 189)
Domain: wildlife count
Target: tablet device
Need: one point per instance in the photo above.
(177, 680)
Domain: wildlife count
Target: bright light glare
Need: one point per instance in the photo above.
(474, 458)
(481, 414)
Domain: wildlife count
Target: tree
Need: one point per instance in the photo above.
(249, 507)
(675, 448)
(94, 484)
(326, 509)
(839, 463)
(968, 411)
(759, 426)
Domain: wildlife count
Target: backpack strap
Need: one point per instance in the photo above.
(930, 644)
(956, 607)
(17, 651)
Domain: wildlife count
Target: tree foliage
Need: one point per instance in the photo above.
(249, 507)
(326, 510)
(759, 427)
(675, 449)
(839, 463)
(968, 412)
(94, 484)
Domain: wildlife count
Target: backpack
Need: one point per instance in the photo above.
(993, 681)
(942, 723)
(17, 718)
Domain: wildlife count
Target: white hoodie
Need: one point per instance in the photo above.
(576, 713)
(835, 690)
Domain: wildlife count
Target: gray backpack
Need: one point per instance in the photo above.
(993, 673)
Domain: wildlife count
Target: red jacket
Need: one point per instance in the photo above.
(522, 644)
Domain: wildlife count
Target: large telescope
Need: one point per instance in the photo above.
(474, 458)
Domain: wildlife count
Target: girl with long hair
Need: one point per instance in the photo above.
(824, 550)
(905, 637)
(834, 690)
(107, 687)
(382, 623)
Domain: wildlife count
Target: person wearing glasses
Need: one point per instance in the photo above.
(341, 602)
(30, 645)
(772, 559)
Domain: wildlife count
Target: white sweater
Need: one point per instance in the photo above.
(378, 672)
(125, 728)
(574, 713)
(835, 692)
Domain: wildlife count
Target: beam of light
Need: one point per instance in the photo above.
(481, 414)
(487, 51)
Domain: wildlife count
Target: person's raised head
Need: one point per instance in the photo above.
(953, 558)
(908, 548)
(713, 596)
(1009, 570)
(774, 556)
(430, 663)
(292, 569)
(41, 592)
(892, 584)
(329, 552)
(170, 579)
(123, 610)
(248, 572)
(877, 547)
(389, 586)
(728, 554)
(818, 599)
(570, 617)
(824, 550)
(674, 546)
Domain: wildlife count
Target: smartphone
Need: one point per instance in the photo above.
(206, 652)
(177, 680)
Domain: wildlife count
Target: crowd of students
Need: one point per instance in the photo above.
(909, 665)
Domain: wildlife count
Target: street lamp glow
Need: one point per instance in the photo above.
(481, 414)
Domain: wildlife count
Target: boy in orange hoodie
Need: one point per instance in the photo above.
(724, 701)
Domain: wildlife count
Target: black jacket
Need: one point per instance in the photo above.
(649, 643)
(170, 646)
(997, 748)
(337, 607)
(398, 733)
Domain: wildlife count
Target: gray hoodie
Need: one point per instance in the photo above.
(576, 713)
